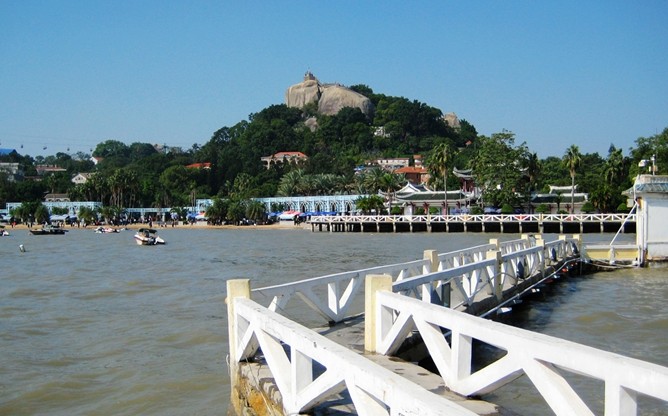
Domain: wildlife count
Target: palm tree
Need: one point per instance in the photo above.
(255, 210)
(291, 183)
(390, 182)
(373, 180)
(614, 166)
(437, 163)
(572, 160)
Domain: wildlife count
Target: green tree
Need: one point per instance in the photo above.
(236, 211)
(217, 211)
(572, 159)
(498, 168)
(292, 183)
(176, 185)
(391, 182)
(439, 163)
(87, 215)
(370, 203)
(255, 210)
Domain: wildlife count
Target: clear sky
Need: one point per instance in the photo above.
(76, 73)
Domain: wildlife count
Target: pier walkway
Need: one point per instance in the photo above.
(357, 352)
(496, 223)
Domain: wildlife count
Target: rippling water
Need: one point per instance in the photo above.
(92, 324)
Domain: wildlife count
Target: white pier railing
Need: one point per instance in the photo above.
(332, 296)
(472, 272)
(510, 218)
(309, 369)
(542, 358)
(373, 389)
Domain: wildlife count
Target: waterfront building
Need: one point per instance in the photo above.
(649, 197)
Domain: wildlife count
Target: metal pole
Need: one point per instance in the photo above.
(445, 179)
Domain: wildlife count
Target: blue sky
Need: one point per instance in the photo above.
(76, 73)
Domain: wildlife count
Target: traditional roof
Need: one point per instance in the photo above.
(562, 189)
(420, 193)
(463, 173)
(578, 197)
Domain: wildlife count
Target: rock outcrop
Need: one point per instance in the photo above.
(331, 98)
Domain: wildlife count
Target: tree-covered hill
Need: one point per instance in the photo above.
(141, 174)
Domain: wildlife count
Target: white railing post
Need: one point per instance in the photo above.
(541, 243)
(237, 288)
(497, 278)
(620, 401)
(373, 284)
(432, 256)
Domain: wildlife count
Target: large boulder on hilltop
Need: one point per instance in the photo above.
(299, 95)
(335, 97)
(330, 97)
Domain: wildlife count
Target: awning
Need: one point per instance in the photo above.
(288, 215)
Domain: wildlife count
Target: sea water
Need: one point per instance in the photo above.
(93, 324)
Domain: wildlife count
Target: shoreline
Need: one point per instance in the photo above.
(136, 226)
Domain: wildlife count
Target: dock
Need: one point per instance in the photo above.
(490, 223)
(359, 351)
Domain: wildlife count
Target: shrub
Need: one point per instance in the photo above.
(588, 208)
(542, 209)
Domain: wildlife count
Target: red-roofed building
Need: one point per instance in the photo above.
(202, 165)
(283, 157)
(415, 175)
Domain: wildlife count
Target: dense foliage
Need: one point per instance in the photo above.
(140, 175)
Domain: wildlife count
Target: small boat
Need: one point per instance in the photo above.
(105, 230)
(48, 229)
(3, 232)
(148, 237)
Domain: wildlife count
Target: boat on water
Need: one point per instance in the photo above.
(3, 232)
(148, 237)
(48, 229)
(105, 230)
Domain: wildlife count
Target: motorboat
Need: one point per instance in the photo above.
(48, 229)
(148, 237)
(105, 230)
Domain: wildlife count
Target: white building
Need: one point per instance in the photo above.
(650, 194)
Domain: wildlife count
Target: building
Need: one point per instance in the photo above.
(12, 170)
(392, 164)
(649, 197)
(81, 178)
(414, 199)
(45, 169)
(56, 198)
(414, 174)
(202, 165)
(283, 157)
(558, 199)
